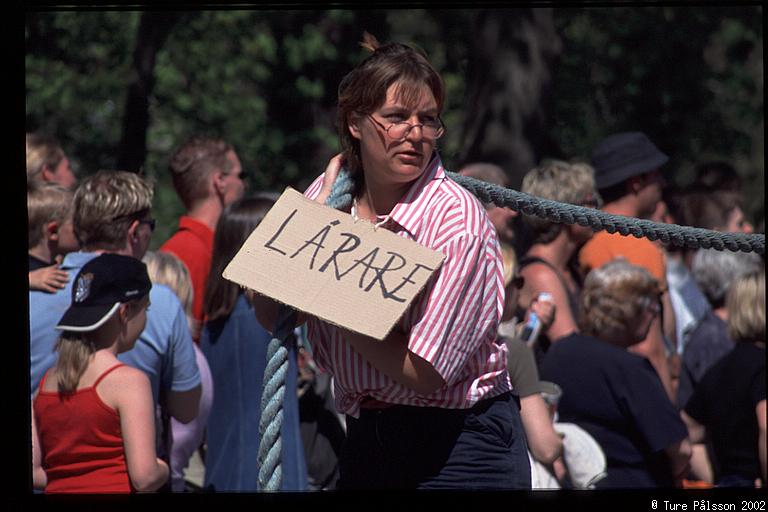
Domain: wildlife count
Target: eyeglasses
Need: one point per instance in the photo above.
(518, 282)
(650, 305)
(149, 222)
(399, 131)
(592, 202)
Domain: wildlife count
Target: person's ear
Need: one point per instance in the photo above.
(122, 313)
(133, 231)
(52, 230)
(353, 122)
(47, 174)
(219, 183)
(635, 184)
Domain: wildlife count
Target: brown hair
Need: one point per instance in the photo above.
(193, 162)
(364, 89)
(707, 209)
(236, 223)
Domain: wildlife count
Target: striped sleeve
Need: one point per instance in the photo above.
(314, 189)
(459, 309)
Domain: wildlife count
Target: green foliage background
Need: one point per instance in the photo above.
(266, 81)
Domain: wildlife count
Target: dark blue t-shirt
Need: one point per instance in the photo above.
(724, 402)
(707, 343)
(617, 397)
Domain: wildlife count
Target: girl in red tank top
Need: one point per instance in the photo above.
(93, 420)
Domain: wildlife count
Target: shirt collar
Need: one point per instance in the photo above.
(409, 211)
(75, 260)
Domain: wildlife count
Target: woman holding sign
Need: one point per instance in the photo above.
(430, 406)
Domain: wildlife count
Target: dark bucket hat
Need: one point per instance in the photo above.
(624, 155)
(100, 287)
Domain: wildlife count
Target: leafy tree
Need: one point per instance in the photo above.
(509, 73)
(154, 28)
(76, 69)
(522, 84)
(691, 78)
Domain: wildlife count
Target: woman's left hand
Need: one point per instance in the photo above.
(545, 310)
(329, 178)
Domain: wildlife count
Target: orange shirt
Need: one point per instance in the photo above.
(604, 247)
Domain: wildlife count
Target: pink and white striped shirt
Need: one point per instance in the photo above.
(452, 323)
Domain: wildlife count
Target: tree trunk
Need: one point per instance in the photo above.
(154, 28)
(511, 52)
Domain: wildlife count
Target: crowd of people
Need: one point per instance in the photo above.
(533, 341)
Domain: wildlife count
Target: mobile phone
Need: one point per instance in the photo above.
(532, 327)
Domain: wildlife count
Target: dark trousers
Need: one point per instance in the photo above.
(405, 447)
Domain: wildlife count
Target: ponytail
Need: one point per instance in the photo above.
(74, 353)
(370, 42)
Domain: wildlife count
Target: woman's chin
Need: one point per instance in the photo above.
(408, 171)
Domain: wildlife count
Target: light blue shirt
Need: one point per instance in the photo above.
(688, 302)
(164, 350)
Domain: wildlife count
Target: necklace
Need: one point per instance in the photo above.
(381, 220)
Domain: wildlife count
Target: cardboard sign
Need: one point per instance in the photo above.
(325, 263)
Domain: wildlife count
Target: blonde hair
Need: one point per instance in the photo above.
(166, 269)
(746, 308)
(613, 296)
(509, 258)
(42, 151)
(46, 202)
(105, 205)
(75, 351)
(560, 181)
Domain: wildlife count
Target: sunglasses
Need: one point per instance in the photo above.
(149, 222)
(138, 216)
(518, 282)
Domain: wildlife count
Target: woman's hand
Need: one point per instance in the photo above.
(545, 310)
(329, 178)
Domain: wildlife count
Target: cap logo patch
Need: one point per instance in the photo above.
(83, 287)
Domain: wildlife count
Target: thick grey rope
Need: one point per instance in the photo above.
(670, 234)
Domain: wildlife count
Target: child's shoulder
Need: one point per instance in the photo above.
(120, 379)
(122, 383)
(122, 372)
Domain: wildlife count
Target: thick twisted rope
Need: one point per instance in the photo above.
(272, 395)
(670, 234)
(273, 391)
(270, 466)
